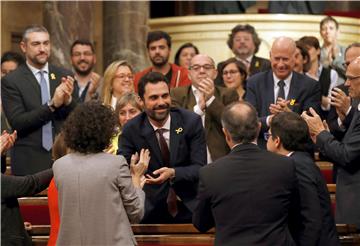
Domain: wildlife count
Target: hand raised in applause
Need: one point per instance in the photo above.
(138, 167)
(207, 88)
(94, 83)
(341, 102)
(7, 141)
(281, 105)
(314, 123)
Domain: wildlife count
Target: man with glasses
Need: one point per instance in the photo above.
(343, 106)
(345, 154)
(208, 101)
(83, 60)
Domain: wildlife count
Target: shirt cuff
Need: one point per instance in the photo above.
(208, 102)
(198, 111)
(268, 120)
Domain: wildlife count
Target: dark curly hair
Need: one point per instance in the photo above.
(90, 127)
(244, 28)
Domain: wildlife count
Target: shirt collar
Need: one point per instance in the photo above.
(166, 126)
(290, 154)
(247, 60)
(287, 81)
(35, 70)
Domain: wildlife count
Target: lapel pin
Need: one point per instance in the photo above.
(257, 64)
(52, 76)
(292, 102)
(179, 130)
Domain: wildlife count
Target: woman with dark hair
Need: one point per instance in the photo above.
(302, 58)
(184, 54)
(234, 75)
(98, 195)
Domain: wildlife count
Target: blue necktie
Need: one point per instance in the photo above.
(47, 138)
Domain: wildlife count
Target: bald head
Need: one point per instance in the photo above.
(351, 52)
(282, 57)
(353, 78)
(241, 122)
(202, 67)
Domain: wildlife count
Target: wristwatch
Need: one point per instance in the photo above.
(51, 105)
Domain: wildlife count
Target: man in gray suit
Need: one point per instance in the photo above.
(36, 97)
(345, 154)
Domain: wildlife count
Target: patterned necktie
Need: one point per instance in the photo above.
(165, 153)
(47, 138)
(281, 92)
(171, 199)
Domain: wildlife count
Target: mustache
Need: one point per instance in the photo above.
(164, 106)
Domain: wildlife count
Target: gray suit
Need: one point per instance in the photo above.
(97, 200)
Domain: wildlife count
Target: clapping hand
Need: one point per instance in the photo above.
(138, 166)
(7, 141)
(341, 102)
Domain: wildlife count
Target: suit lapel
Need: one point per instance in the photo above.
(294, 88)
(31, 80)
(176, 133)
(269, 91)
(190, 99)
(54, 80)
(148, 133)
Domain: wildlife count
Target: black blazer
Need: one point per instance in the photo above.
(187, 155)
(21, 98)
(248, 196)
(345, 154)
(319, 226)
(257, 65)
(12, 187)
(304, 91)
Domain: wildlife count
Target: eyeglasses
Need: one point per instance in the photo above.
(231, 72)
(267, 135)
(206, 67)
(124, 76)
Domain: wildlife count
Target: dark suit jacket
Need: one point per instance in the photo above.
(248, 196)
(345, 154)
(12, 187)
(187, 155)
(319, 226)
(21, 98)
(183, 97)
(260, 93)
(257, 65)
(332, 117)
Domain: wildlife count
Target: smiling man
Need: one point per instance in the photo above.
(281, 89)
(206, 100)
(159, 48)
(176, 140)
(83, 60)
(36, 97)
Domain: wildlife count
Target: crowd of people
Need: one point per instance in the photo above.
(228, 145)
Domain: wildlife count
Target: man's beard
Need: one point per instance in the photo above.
(83, 72)
(156, 116)
(159, 63)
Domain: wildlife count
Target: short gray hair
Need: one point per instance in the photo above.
(33, 28)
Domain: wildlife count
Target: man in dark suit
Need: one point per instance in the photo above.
(281, 89)
(288, 136)
(12, 225)
(244, 43)
(249, 194)
(36, 99)
(176, 140)
(345, 154)
(206, 100)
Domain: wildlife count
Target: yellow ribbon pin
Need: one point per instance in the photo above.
(257, 64)
(292, 102)
(52, 76)
(179, 130)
